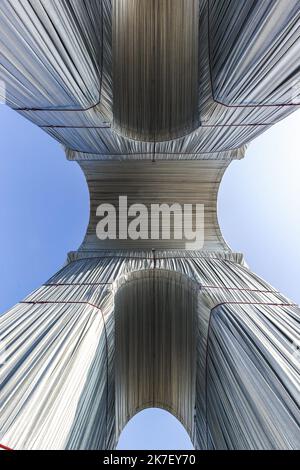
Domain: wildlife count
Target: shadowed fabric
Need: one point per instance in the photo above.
(156, 333)
(148, 183)
(155, 68)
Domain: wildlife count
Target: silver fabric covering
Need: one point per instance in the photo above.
(160, 182)
(58, 386)
(124, 326)
(158, 106)
(64, 84)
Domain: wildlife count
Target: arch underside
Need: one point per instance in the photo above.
(191, 83)
(155, 345)
(70, 398)
(185, 184)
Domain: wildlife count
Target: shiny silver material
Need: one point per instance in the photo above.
(155, 68)
(155, 102)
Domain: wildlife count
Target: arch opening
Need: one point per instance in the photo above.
(154, 428)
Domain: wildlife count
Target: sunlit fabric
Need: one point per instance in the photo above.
(61, 76)
(255, 51)
(58, 386)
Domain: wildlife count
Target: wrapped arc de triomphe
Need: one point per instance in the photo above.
(153, 99)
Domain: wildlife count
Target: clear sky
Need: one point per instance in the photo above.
(44, 209)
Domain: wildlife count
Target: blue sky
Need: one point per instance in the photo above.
(44, 209)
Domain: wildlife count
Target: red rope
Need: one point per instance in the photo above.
(2, 446)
